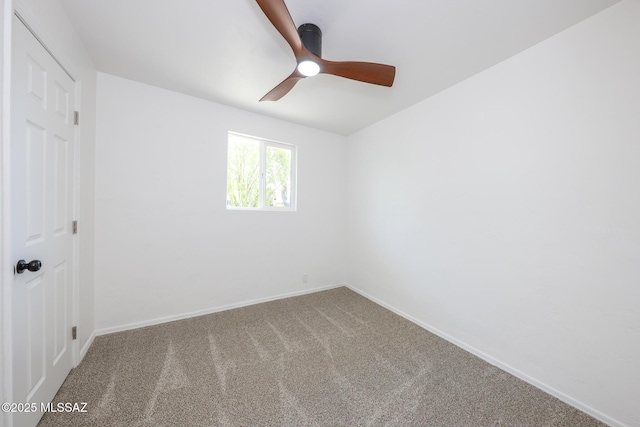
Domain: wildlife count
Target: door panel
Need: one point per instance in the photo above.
(42, 134)
(36, 345)
(60, 280)
(34, 176)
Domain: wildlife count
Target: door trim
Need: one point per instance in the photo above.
(6, 268)
(24, 14)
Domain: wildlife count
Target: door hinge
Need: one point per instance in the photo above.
(76, 118)
(74, 227)
(74, 332)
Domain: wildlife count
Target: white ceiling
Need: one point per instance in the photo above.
(228, 52)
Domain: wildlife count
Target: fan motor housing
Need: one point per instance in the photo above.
(311, 37)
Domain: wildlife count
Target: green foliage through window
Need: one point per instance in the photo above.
(278, 182)
(260, 174)
(243, 173)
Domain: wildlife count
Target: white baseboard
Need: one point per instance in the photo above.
(85, 348)
(188, 315)
(505, 367)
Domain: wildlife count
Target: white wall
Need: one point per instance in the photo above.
(165, 244)
(505, 214)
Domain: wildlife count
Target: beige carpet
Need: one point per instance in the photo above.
(332, 358)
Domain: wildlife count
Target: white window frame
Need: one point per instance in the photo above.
(262, 188)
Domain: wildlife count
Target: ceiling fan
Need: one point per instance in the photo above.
(306, 42)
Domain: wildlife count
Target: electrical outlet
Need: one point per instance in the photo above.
(305, 278)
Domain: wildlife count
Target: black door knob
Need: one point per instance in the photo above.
(22, 265)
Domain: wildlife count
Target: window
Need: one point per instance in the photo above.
(261, 174)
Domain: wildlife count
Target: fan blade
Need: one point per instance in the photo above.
(368, 72)
(280, 17)
(283, 88)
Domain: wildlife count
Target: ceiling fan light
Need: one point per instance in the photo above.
(308, 68)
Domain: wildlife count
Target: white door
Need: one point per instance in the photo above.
(42, 133)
